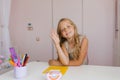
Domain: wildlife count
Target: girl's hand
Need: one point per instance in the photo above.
(55, 37)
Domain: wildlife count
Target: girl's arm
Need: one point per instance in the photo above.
(62, 53)
(83, 53)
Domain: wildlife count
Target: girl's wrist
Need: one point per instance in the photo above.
(57, 45)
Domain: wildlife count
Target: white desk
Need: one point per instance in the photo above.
(83, 72)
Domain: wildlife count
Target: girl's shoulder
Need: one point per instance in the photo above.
(82, 37)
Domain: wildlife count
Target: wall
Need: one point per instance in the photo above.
(36, 42)
(99, 27)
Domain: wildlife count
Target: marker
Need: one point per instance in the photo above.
(12, 63)
(18, 63)
(13, 54)
(23, 59)
(26, 60)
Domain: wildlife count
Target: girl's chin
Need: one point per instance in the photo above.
(69, 37)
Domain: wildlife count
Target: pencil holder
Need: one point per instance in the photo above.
(20, 72)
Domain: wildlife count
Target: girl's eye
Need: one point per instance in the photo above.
(62, 30)
(67, 27)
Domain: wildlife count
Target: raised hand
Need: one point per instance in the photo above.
(55, 37)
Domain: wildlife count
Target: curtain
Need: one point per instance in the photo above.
(0, 27)
(5, 13)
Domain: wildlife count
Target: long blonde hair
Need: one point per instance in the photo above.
(76, 37)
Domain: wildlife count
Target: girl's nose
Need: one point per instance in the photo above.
(65, 28)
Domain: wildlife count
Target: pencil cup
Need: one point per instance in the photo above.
(20, 72)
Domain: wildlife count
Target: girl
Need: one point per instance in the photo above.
(71, 47)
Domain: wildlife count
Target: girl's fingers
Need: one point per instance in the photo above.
(55, 37)
(54, 32)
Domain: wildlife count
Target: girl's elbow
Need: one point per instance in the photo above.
(66, 63)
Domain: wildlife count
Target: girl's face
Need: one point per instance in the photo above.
(67, 30)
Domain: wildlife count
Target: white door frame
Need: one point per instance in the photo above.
(118, 25)
(117, 34)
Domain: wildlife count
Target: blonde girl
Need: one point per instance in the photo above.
(71, 47)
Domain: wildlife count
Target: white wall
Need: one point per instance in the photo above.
(36, 42)
(99, 28)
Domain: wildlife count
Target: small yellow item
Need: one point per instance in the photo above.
(62, 69)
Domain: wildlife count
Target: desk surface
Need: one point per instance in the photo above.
(83, 72)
